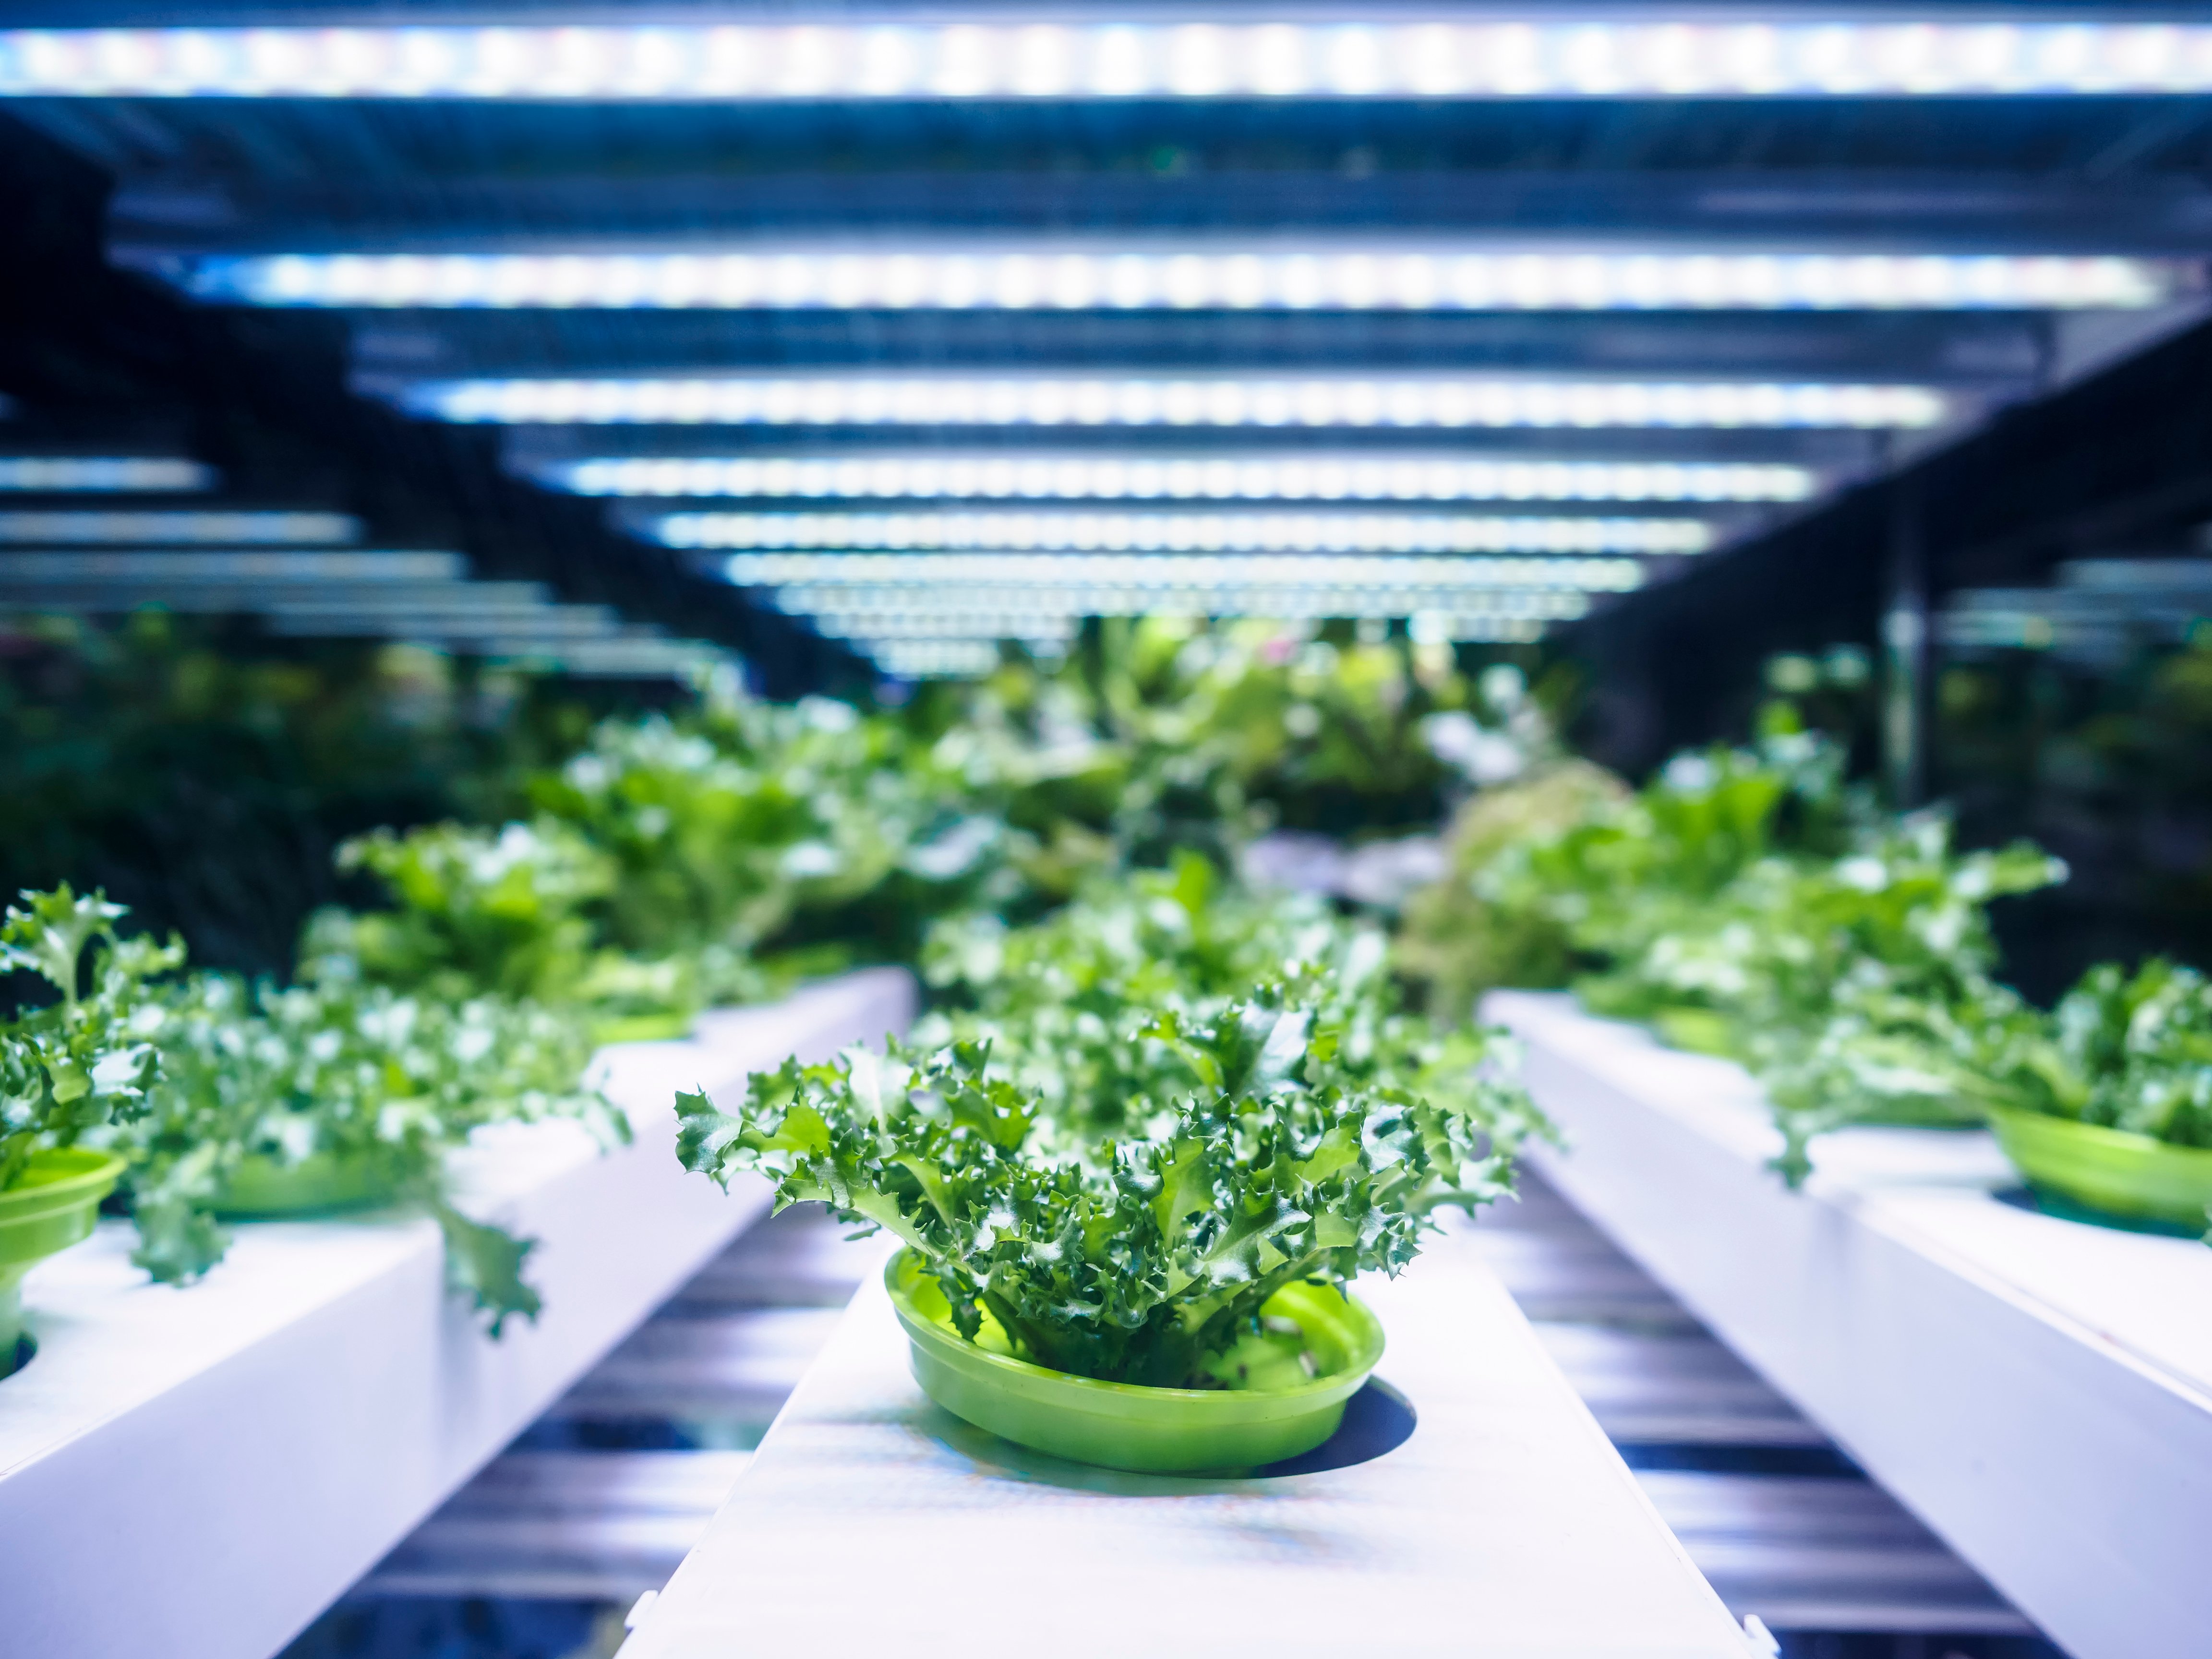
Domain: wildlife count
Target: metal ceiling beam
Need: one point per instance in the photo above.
(1927, 208)
(1998, 349)
(1834, 453)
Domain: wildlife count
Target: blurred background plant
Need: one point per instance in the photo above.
(204, 776)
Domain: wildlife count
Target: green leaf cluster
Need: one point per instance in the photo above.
(1148, 1259)
(501, 912)
(335, 1069)
(87, 1059)
(2130, 1051)
(1083, 1009)
(671, 863)
(1457, 940)
(1165, 732)
(1750, 903)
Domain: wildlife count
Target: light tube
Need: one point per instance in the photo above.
(1180, 532)
(91, 474)
(369, 609)
(1318, 475)
(915, 659)
(1073, 604)
(179, 528)
(1031, 573)
(1285, 401)
(562, 624)
(840, 625)
(1282, 602)
(1046, 276)
(630, 658)
(237, 567)
(1539, 54)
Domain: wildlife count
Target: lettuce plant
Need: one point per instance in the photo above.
(2126, 1051)
(475, 910)
(1748, 902)
(1146, 1260)
(358, 1073)
(87, 1058)
(737, 834)
(1083, 1010)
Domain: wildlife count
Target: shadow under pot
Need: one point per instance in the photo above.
(53, 1206)
(1280, 1412)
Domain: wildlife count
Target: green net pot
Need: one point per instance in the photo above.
(643, 1028)
(2114, 1170)
(52, 1207)
(1119, 1425)
(261, 1188)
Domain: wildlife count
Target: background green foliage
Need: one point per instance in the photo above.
(204, 777)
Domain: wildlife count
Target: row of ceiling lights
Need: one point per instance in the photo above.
(1546, 54)
(860, 57)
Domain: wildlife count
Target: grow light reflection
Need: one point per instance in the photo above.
(1286, 401)
(1180, 533)
(1049, 277)
(1541, 54)
(1307, 477)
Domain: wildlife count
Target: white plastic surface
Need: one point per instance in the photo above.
(197, 1474)
(2039, 1391)
(872, 1522)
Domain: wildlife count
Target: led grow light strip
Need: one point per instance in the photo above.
(982, 625)
(946, 576)
(370, 609)
(551, 623)
(933, 659)
(90, 474)
(181, 528)
(1218, 600)
(235, 566)
(1305, 476)
(1047, 277)
(1161, 400)
(1540, 55)
(1183, 532)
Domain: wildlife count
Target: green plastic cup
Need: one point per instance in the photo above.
(261, 1188)
(643, 1028)
(1118, 1425)
(52, 1207)
(2114, 1170)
